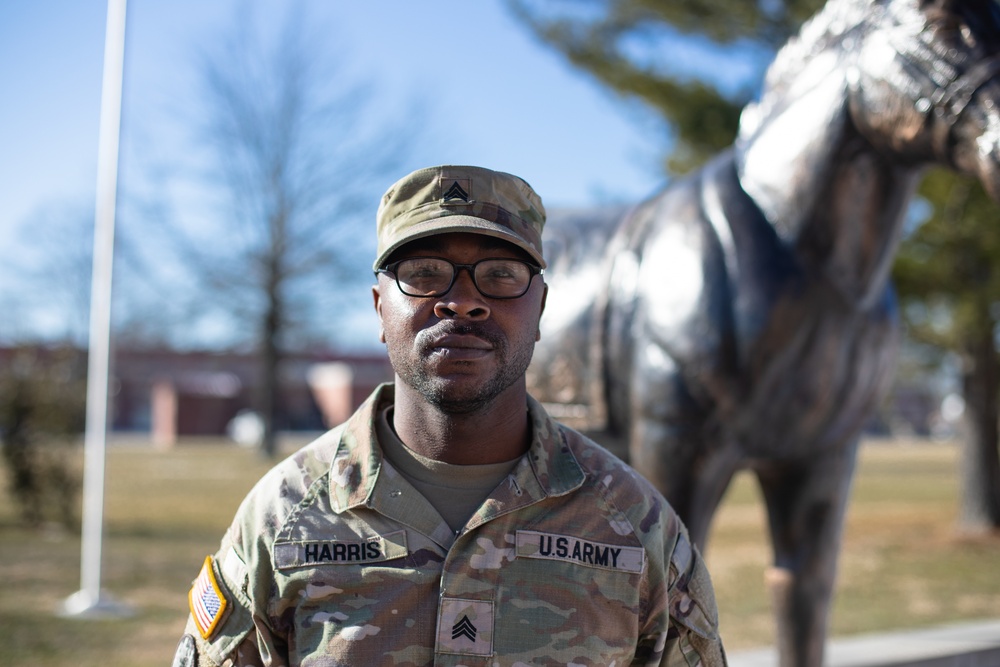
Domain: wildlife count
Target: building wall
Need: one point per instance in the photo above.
(175, 394)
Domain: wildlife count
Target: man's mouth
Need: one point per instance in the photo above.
(461, 346)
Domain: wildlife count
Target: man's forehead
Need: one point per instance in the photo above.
(463, 240)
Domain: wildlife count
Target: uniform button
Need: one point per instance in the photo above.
(395, 493)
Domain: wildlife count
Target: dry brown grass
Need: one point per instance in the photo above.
(901, 565)
(165, 511)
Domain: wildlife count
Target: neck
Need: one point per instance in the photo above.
(788, 143)
(494, 433)
(829, 194)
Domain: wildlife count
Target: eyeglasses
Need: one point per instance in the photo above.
(496, 278)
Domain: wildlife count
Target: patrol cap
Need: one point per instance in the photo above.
(451, 198)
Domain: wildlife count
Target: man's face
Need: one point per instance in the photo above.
(460, 350)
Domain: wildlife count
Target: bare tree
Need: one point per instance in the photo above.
(47, 291)
(298, 161)
(46, 274)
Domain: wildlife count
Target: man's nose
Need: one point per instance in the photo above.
(463, 300)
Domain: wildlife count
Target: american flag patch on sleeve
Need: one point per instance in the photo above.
(207, 601)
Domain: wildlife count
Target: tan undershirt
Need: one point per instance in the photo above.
(455, 491)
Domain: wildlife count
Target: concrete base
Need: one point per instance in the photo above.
(84, 605)
(962, 645)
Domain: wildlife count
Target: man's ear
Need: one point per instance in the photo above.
(377, 299)
(545, 295)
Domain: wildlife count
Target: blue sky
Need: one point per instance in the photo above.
(491, 95)
(506, 101)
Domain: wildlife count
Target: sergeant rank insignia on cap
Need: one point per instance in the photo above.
(207, 601)
(456, 191)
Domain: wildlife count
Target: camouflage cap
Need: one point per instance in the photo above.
(449, 198)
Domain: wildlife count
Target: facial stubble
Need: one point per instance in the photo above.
(416, 368)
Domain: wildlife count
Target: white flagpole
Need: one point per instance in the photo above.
(89, 601)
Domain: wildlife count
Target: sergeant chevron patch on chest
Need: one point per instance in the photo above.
(550, 546)
(465, 627)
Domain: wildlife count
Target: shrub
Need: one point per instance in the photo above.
(42, 414)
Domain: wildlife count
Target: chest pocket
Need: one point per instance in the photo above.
(354, 601)
(569, 600)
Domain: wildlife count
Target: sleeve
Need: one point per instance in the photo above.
(192, 651)
(222, 628)
(693, 635)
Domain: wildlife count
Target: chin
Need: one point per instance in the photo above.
(462, 395)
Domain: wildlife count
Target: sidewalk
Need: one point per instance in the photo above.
(974, 644)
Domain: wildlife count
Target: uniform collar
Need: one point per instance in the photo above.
(556, 468)
(548, 469)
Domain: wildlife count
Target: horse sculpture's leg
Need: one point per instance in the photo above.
(668, 446)
(693, 484)
(806, 502)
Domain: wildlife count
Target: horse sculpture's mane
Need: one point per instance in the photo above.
(837, 32)
(837, 21)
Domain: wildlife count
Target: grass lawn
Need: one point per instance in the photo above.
(901, 565)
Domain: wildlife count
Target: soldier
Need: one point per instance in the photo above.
(450, 520)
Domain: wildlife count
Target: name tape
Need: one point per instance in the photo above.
(549, 546)
(309, 553)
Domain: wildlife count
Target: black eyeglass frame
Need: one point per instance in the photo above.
(390, 269)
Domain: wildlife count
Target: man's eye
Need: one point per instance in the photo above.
(424, 270)
(503, 271)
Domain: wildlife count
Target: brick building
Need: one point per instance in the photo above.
(171, 394)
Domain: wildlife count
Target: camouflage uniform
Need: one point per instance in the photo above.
(334, 559)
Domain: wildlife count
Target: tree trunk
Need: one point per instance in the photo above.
(270, 359)
(980, 465)
(269, 409)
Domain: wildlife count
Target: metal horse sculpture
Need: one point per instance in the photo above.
(743, 317)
